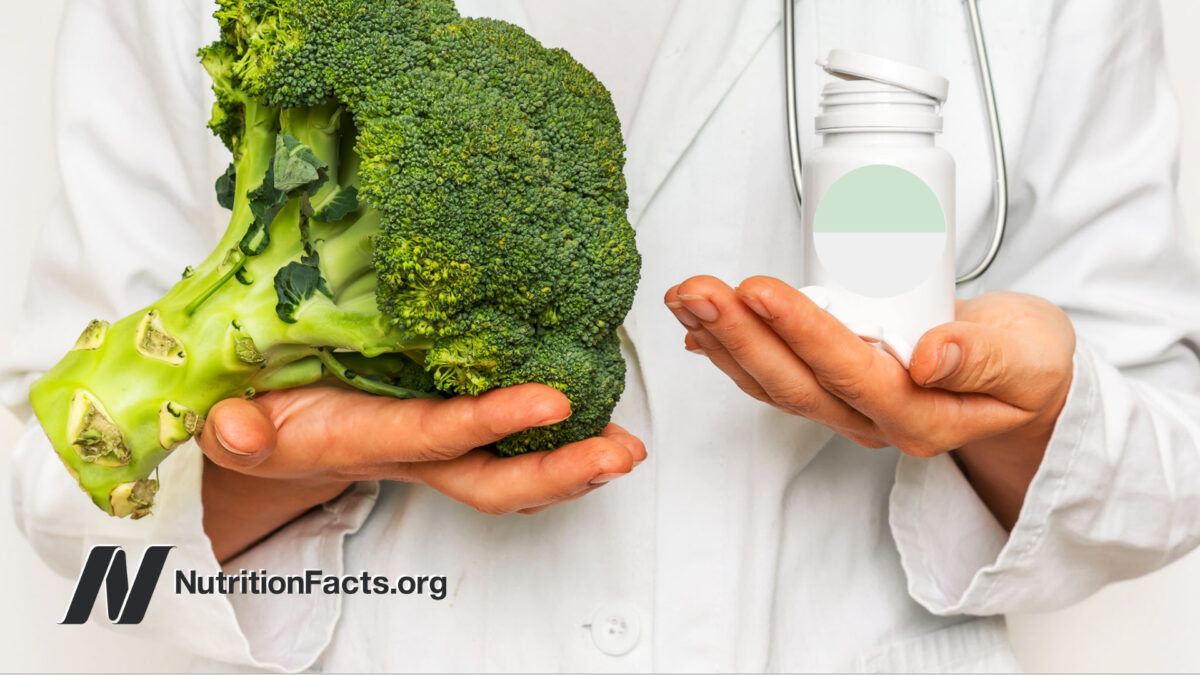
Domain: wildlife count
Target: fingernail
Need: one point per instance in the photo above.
(695, 350)
(755, 305)
(701, 307)
(604, 478)
(947, 362)
(225, 444)
(685, 317)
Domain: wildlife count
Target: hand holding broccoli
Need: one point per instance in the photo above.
(422, 205)
(274, 458)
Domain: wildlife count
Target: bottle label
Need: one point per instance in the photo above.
(879, 230)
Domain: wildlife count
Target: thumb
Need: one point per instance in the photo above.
(237, 435)
(971, 357)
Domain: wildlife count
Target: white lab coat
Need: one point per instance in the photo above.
(750, 539)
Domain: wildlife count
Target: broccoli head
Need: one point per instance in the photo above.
(422, 205)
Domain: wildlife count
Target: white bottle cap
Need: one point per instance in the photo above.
(845, 62)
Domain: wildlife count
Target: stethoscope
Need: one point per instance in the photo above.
(1000, 203)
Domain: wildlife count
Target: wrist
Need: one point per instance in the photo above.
(1000, 468)
(241, 510)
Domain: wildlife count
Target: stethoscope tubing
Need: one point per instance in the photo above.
(999, 164)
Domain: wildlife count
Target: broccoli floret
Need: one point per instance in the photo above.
(422, 205)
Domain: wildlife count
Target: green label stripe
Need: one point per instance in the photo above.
(879, 198)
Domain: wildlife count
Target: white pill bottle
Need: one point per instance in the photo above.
(879, 202)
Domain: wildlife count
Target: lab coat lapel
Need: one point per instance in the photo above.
(707, 46)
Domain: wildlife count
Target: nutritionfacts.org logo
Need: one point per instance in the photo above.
(106, 568)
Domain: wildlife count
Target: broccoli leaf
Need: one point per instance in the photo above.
(341, 204)
(294, 284)
(310, 257)
(226, 187)
(265, 202)
(296, 165)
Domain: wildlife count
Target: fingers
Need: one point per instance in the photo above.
(803, 355)
(1007, 364)
(359, 430)
(919, 421)
(755, 357)
(237, 435)
(841, 362)
(963, 356)
(291, 435)
(499, 485)
(538, 509)
(637, 449)
(701, 341)
(450, 428)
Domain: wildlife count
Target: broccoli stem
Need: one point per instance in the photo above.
(133, 386)
(229, 274)
(295, 374)
(318, 127)
(354, 243)
(251, 158)
(120, 402)
(367, 384)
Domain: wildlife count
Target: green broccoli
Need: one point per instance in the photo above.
(422, 205)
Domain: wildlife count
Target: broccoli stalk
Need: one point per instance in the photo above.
(140, 387)
(421, 206)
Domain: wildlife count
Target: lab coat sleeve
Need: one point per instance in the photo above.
(135, 209)
(1095, 228)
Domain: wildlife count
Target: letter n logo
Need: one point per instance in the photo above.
(106, 566)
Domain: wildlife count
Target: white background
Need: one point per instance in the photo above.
(1149, 624)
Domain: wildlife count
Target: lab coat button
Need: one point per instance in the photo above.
(616, 628)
